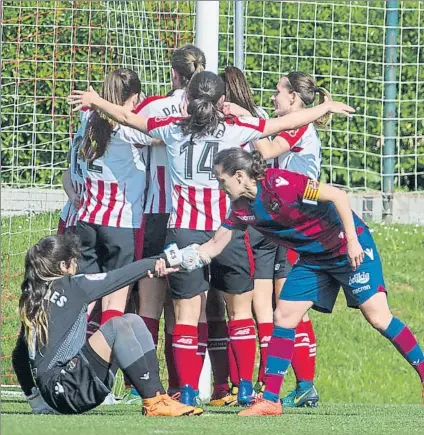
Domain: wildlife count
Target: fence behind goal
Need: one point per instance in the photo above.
(51, 47)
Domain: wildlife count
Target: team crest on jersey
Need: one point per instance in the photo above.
(311, 194)
(72, 365)
(96, 276)
(292, 133)
(161, 118)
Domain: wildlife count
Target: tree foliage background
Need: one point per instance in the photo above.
(50, 47)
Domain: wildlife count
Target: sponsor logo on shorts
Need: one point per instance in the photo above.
(370, 253)
(58, 389)
(145, 377)
(277, 267)
(72, 365)
(246, 218)
(361, 289)
(359, 278)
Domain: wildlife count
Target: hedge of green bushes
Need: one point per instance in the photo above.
(66, 44)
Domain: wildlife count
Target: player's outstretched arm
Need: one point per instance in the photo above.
(214, 246)
(341, 201)
(92, 100)
(304, 117)
(96, 286)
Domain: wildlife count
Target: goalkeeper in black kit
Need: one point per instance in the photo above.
(58, 370)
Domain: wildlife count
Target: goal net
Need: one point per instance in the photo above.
(48, 49)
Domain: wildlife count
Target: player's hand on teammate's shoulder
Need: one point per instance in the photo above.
(233, 109)
(338, 107)
(82, 99)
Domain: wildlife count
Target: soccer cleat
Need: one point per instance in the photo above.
(189, 396)
(245, 395)
(110, 400)
(131, 397)
(163, 406)
(299, 399)
(259, 387)
(262, 407)
(224, 398)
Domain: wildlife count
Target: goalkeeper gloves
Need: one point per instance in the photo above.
(189, 258)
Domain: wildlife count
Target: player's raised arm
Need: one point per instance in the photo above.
(305, 116)
(340, 200)
(122, 115)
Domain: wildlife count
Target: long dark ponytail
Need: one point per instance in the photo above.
(204, 91)
(119, 85)
(42, 267)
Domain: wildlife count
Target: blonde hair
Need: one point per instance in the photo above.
(305, 86)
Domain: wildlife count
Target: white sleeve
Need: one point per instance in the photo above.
(249, 128)
(134, 136)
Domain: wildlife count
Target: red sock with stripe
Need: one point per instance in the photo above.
(243, 342)
(218, 353)
(184, 345)
(153, 327)
(303, 361)
(109, 314)
(264, 336)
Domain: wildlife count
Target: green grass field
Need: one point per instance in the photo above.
(355, 364)
(121, 420)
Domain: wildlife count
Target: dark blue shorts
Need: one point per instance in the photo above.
(320, 281)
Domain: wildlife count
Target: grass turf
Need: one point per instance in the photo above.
(123, 420)
(355, 364)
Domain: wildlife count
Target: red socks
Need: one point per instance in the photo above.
(305, 350)
(218, 353)
(109, 314)
(243, 343)
(153, 327)
(264, 335)
(185, 346)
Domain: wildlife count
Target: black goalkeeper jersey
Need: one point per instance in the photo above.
(67, 312)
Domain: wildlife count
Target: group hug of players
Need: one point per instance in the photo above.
(207, 210)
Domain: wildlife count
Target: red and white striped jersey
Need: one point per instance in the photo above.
(304, 155)
(158, 198)
(69, 214)
(115, 183)
(197, 202)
